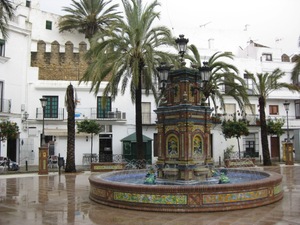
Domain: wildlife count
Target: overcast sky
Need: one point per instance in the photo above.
(229, 23)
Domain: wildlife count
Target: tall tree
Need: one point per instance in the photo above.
(264, 84)
(70, 102)
(128, 53)
(222, 74)
(88, 16)
(6, 13)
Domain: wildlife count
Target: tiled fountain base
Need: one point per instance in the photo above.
(186, 198)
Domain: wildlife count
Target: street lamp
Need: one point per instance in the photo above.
(205, 73)
(43, 103)
(163, 73)
(286, 105)
(182, 46)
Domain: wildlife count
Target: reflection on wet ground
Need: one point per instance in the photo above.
(53, 199)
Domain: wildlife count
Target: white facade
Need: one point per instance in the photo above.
(23, 89)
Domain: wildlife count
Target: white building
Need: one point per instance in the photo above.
(21, 88)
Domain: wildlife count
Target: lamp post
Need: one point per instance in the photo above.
(43, 103)
(286, 107)
(288, 145)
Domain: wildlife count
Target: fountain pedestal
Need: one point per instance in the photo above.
(183, 124)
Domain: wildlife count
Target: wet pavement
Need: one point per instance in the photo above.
(29, 198)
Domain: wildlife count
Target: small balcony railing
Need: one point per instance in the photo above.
(55, 116)
(108, 115)
(92, 114)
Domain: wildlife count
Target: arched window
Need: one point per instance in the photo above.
(285, 58)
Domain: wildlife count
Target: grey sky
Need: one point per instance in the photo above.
(231, 23)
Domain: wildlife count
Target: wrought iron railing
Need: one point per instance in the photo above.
(59, 115)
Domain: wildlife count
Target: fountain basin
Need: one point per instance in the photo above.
(185, 198)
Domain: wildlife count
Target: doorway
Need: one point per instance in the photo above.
(105, 148)
(275, 148)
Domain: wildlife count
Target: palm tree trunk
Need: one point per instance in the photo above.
(264, 132)
(70, 162)
(138, 120)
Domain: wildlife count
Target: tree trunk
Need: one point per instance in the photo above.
(70, 101)
(264, 132)
(138, 120)
(239, 147)
(91, 148)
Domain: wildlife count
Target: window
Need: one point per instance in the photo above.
(48, 25)
(266, 57)
(249, 84)
(230, 109)
(273, 109)
(250, 143)
(1, 96)
(146, 112)
(103, 111)
(2, 48)
(297, 109)
(51, 110)
(28, 3)
(285, 58)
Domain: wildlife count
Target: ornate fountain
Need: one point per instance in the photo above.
(184, 159)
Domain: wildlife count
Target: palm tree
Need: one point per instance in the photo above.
(6, 13)
(88, 17)
(126, 54)
(70, 102)
(296, 70)
(222, 74)
(263, 85)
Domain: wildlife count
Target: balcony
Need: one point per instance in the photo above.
(5, 105)
(92, 114)
(55, 117)
(84, 113)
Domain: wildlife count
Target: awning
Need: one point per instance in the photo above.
(62, 133)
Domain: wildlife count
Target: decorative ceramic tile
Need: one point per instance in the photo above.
(277, 189)
(98, 192)
(235, 197)
(194, 199)
(107, 167)
(151, 198)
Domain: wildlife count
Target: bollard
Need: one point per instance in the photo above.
(59, 163)
(26, 165)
